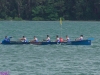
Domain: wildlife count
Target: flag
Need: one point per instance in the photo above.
(60, 21)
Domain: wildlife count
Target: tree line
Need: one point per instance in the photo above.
(49, 10)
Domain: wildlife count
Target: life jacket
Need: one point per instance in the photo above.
(61, 40)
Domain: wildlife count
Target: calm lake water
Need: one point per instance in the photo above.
(50, 59)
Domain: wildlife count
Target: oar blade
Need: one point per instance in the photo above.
(90, 38)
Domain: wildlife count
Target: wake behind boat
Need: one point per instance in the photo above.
(82, 42)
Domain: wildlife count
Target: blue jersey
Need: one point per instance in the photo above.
(7, 39)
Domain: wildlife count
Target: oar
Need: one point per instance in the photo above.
(90, 38)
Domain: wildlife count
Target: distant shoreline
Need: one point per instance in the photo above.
(49, 20)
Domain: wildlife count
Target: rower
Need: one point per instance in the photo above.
(23, 39)
(7, 39)
(80, 38)
(35, 39)
(57, 38)
(61, 39)
(67, 38)
(47, 39)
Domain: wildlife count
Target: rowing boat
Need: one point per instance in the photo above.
(82, 42)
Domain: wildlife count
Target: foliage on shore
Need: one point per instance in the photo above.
(39, 10)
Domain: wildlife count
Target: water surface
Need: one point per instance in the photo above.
(50, 59)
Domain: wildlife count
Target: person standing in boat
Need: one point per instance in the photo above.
(80, 38)
(23, 39)
(57, 38)
(67, 39)
(47, 39)
(35, 39)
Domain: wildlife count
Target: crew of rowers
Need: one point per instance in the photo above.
(23, 39)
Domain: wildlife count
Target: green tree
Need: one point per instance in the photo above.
(49, 9)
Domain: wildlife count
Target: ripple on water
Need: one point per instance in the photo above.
(50, 59)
